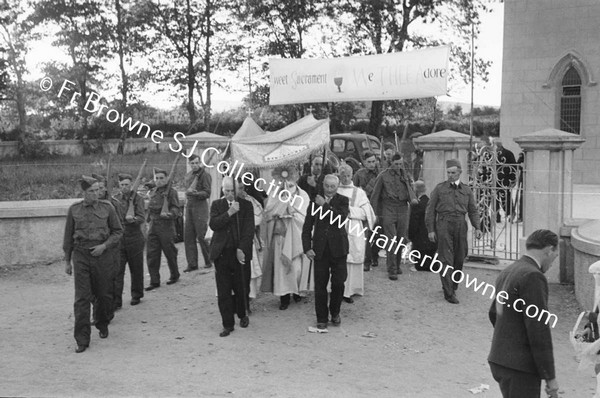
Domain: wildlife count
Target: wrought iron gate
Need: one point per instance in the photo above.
(498, 189)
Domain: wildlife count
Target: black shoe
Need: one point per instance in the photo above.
(226, 332)
(283, 306)
(322, 325)
(245, 321)
(336, 320)
(375, 264)
(452, 299)
(118, 307)
(171, 281)
(152, 287)
(399, 270)
(393, 277)
(367, 269)
(349, 300)
(81, 348)
(297, 298)
(190, 269)
(103, 332)
(134, 301)
(209, 265)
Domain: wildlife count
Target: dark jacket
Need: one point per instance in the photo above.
(417, 230)
(326, 231)
(225, 228)
(520, 342)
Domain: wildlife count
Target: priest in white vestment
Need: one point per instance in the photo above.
(286, 269)
(361, 218)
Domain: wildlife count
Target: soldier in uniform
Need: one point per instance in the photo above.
(161, 232)
(198, 183)
(132, 244)
(390, 200)
(365, 179)
(92, 231)
(103, 194)
(446, 224)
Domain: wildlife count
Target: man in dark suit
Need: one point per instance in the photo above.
(417, 229)
(327, 246)
(312, 183)
(232, 221)
(521, 353)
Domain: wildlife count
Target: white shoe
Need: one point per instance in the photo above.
(413, 269)
(382, 253)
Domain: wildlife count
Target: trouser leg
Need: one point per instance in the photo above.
(189, 237)
(83, 297)
(321, 268)
(461, 247)
(241, 286)
(445, 252)
(102, 276)
(201, 225)
(134, 251)
(339, 274)
(167, 242)
(153, 254)
(120, 276)
(223, 278)
(389, 229)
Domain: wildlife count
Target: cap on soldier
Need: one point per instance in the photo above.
(86, 182)
(125, 176)
(453, 163)
(159, 171)
(98, 177)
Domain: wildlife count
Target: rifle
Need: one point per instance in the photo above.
(134, 188)
(165, 206)
(108, 179)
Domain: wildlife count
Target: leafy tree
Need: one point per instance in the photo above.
(84, 32)
(15, 33)
(185, 31)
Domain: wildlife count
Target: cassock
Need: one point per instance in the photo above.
(361, 218)
(286, 268)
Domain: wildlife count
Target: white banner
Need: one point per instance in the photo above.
(413, 74)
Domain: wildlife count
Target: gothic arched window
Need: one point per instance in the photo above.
(570, 102)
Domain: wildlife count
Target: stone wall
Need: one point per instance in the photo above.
(74, 147)
(586, 244)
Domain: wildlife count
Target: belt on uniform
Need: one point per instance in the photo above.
(88, 244)
(452, 215)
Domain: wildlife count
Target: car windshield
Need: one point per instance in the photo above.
(374, 145)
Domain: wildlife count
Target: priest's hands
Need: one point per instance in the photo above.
(310, 254)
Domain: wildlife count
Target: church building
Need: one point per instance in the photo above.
(550, 72)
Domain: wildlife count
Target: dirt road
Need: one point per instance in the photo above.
(168, 346)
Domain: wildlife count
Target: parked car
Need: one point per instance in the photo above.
(352, 146)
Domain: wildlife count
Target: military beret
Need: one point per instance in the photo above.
(125, 176)
(98, 177)
(159, 171)
(453, 163)
(85, 182)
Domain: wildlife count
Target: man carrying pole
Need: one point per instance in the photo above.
(163, 209)
(132, 244)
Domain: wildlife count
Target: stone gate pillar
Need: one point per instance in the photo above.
(548, 185)
(439, 147)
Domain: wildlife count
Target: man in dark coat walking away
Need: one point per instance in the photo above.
(521, 354)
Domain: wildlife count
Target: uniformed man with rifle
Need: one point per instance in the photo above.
(133, 241)
(198, 183)
(163, 209)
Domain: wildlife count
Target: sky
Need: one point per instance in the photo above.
(488, 46)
